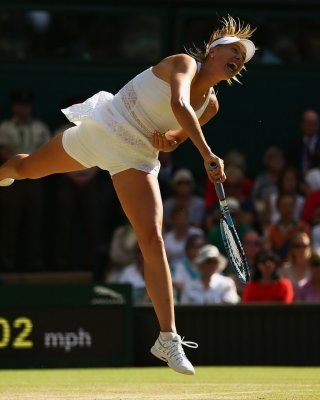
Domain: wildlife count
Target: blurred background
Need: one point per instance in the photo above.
(70, 229)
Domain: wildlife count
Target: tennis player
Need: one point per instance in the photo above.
(121, 134)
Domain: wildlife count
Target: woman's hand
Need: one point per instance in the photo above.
(217, 174)
(164, 141)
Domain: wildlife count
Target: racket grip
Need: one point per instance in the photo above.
(218, 186)
(219, 190)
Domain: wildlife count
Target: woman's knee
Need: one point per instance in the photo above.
(23, 168)
(151, 241)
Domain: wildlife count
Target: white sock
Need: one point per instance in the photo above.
(167, 335)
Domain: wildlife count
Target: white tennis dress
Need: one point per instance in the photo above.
(115, 132)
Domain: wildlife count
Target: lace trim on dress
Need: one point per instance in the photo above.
(129, 99)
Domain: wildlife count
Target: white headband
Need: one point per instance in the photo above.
(248, 45)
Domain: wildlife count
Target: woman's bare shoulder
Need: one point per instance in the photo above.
(177, 62)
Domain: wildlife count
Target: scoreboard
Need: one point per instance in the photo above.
(58, 332)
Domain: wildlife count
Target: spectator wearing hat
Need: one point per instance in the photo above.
(22, 205)
(211, 287)
(183, 196)
(266, 284)
(214, 234)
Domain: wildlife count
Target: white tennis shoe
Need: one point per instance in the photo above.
(6, 182)
(172, 353)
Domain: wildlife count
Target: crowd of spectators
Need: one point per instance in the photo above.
(75, 222)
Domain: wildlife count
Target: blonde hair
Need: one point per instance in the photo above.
(229, 27)
(306, 239)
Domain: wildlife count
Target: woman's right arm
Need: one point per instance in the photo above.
(183, 72)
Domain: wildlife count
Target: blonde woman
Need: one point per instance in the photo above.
(121, 134)
(297, 267)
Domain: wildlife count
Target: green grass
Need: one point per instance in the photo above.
(209, 383)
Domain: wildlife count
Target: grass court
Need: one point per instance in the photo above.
(209, 383)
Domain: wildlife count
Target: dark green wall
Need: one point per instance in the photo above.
(263, 111)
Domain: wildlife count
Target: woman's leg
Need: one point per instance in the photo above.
(50, 158)
(139, 195)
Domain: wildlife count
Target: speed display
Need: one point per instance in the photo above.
(63, 336)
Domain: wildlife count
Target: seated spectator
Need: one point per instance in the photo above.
(265, 183)
(166, 172)
(23, 204)
(266, 284)
(310, 290)
(312, 202)
(296, 269)
(303, 152)
(252, 244)
(123, 246)
(175, 239)
(183, 196)
(288, 183)
(279, 235)
(211, 287)
(315, 230)
(184, 271)
(234, 159)
(133, 275)
(234, 187)
(214, 234)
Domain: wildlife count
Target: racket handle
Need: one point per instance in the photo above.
(218, 186)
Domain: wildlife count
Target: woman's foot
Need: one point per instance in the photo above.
(168, 347)
(6, 182)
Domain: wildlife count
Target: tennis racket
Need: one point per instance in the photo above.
(230, 237)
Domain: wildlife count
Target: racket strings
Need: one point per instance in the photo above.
(232, 246)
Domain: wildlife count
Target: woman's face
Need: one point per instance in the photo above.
(193, 250)
(267, 268)
(301, 245)
(209, 267)
(228, 59)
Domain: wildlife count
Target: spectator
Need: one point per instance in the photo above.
(175, 239)
(183, 196)
(310, 290)
(266, 284)
(214, 235)
(279, 235)
(123, 246)
(252, 244)
(288, 183)
(133, 275)
(235, 187)
(211, 287)
(166, 172)
(22, 205)
(234, 159)
(297, 267)
(184, 271)
(265, 183)
(304, 152)
(315, 230)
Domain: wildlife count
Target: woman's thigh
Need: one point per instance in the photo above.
(50, 158)
(140, 198)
